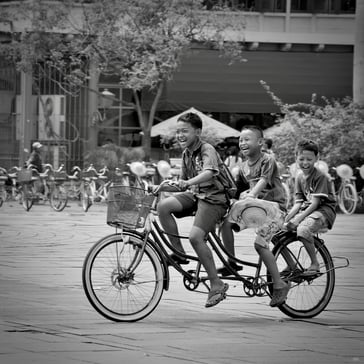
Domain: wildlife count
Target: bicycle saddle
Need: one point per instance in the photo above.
(252, 212)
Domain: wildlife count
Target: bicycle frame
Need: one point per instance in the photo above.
(154, 234)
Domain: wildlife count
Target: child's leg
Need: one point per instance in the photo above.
(306, 230)
(227, 235)
(165, 209)
(197, 239)
(270, 262)
(280, 287)
(207, 216)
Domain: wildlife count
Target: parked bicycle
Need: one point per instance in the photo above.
(344, 188)
(58, 194)
(124, 274)
(3, 179)
(94, 187)
(360, 185)
(33, 186)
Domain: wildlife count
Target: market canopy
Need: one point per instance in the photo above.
(168, 127)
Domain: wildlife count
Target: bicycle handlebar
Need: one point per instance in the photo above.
(172, 187)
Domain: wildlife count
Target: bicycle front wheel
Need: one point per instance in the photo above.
(308, 296)
(116, 287)
(27, 196)
(58, 198)
(348, 199)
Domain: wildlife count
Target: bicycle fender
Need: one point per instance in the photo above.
(166, 277)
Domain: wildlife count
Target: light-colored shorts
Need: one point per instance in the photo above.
(265, 217)
(313, 224)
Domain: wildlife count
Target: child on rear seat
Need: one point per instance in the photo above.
(314, 208)
(260, 172)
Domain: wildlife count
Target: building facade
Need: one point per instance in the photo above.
(297, 47)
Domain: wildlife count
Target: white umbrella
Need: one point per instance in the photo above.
(166, 127)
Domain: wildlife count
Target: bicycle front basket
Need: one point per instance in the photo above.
(60, 176)
(24, 176)
(128, 206)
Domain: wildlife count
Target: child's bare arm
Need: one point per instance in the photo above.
(295, 208)
(259, 187)
(301, 216)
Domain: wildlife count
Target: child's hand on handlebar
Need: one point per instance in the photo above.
(183, 185)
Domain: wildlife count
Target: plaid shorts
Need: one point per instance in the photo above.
(313, 224)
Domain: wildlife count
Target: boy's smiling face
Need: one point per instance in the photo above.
(186, 134)
(250, 143)
(306, 160)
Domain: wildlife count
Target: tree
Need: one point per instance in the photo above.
(336, 125)
(140, 41)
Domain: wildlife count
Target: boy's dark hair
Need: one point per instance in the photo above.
(307, 145)
(192, 119)
(268, 142)
(258, 131)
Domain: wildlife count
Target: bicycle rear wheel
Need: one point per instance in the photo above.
(308, 296)
(117, 288)
(27, 196)
(348, 199)
(58, 197)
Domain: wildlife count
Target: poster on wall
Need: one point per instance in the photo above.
(51, 117)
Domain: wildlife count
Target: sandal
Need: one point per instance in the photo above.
(280, 295)
(224, 271)
(310, 272)
(216, 296)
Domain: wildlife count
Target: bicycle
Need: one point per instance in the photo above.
(359, 184)
(90, 191)
(124, 274)
(3, 179)
(30, 190)
(58, 197)
(347, 196)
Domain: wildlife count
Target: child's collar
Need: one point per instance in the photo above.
(195, 146)
(252, 161)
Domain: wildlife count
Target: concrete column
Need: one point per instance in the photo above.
(93, 98)
(25, 127)
(287, 23)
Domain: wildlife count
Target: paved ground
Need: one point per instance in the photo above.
(46, 318)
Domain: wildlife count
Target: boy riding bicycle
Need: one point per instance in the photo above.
(206, 198)
(314, 208)
(259, 173)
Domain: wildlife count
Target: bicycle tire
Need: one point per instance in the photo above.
(348, 199)
(307, 297)
(58, 198)
(112, 290)
(86, 200)
(26, 197)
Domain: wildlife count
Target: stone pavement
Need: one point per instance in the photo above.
(46, 318)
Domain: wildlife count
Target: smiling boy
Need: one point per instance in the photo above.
(206, 198)
(314, 208)
(260, 172)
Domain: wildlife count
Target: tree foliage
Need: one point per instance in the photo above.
(139, 41)
(336, 125)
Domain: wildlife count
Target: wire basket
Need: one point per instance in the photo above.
(88, 174)
(128, 206)
(24, 176)
(60, 176)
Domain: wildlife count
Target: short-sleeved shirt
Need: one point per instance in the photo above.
(203, 157)
(316, 184)
(265, 167)
(36, 160)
